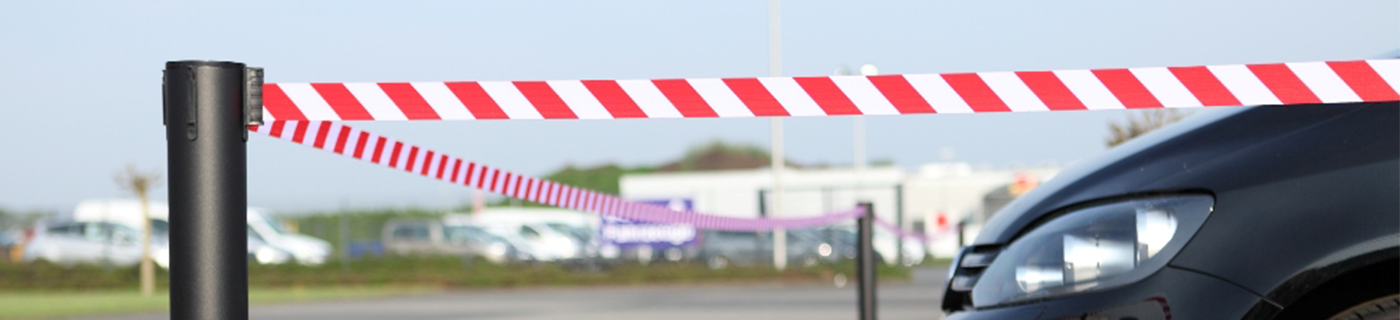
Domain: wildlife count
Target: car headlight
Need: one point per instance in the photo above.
(268, 255)
(1092, 248)
(497, 249)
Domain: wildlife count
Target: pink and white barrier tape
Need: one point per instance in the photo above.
(1057, 90)
(362, 145)
(900, 232)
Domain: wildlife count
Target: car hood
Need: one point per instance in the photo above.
(302, 243)
(1172, 159)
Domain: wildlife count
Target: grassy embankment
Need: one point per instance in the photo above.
(30, 304)
(30, 291)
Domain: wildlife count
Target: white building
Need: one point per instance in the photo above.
(957, 191)
(748, 193)
(953, 190)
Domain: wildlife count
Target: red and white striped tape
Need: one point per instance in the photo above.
(362, 145)
(1058, 90)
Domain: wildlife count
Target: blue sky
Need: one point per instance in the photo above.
(81, 79)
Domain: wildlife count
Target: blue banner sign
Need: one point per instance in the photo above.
(629, 233)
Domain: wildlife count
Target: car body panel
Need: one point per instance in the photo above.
(1170, 293)
(69, 243)
(755, 248)
(305, 249)
(1296, 188)
(433, 237)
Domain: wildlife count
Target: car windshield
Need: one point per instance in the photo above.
(566, 229)
(810, 235)
(468, 233)
(583, 233)
(270, 224)
(160, 227)
(252, 234)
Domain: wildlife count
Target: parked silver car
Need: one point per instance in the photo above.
(261, 252)
(431, 237)
(68, 243)
(720, 249)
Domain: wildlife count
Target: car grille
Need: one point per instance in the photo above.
(967, 267)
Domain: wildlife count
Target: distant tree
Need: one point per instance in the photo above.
(7, 219)
(718, 155)
(1144, 122)
(882, 162)
(140, 184)
(603, 178)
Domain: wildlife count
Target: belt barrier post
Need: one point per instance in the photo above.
(206, 131)
(899, 257)
(865, 262)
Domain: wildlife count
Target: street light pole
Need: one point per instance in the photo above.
(858, 133)
(206, 121)
(775, 69)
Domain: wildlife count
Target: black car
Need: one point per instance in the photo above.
(1247, 213)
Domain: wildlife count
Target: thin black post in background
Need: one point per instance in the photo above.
(960, 234)
(206, 132)
(899, 223)
(758, 241)
(865, 263)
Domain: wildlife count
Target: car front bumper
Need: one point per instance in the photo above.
(1169, 294)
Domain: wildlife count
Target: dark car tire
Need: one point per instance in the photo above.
(1386, 308)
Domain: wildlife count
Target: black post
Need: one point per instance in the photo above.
(865, 263)
(758, 241)
(205, 133)
(899, 223)
(960, 234)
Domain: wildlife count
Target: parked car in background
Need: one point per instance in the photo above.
(66, 242)
(524, 252)
(549, 244)
(884, 244)
(432, 237)
(585, 237)
(547, 234)
(832, 245)
(261, 252)
(304, 249)
(721, 249)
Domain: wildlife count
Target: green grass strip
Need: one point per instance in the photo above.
(60, 304)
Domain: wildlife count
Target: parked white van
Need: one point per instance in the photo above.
(303, 249)
(67, 242)
(549, 234)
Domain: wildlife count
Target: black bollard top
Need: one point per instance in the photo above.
(204, 63)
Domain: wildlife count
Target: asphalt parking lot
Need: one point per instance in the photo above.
(911, 300)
